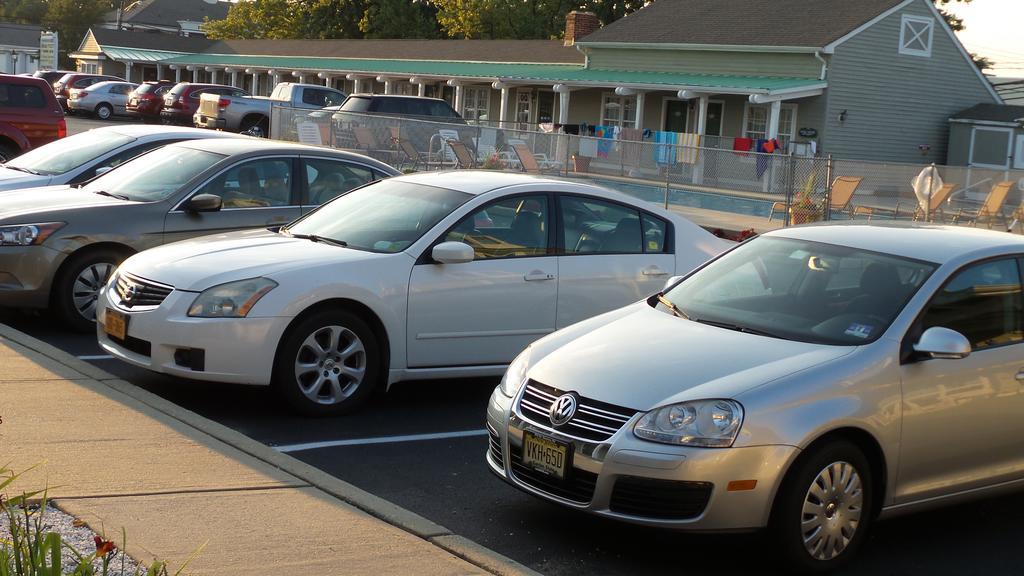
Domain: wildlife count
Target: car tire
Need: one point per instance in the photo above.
(76, 287)
(7, 152)
(104, 111)
(256, 121)
(819, 523)
(328, 364)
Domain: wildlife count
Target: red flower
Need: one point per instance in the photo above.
(103, 547)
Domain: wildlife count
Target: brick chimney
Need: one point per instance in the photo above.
(578, 25)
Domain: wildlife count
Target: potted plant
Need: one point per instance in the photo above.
(805, 209)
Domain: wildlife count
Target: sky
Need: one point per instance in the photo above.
(994, 29)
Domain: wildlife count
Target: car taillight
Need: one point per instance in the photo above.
(62, 128)
(223, 102)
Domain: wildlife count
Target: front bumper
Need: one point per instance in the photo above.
(26, 274)
(164, 339)
(641, 482)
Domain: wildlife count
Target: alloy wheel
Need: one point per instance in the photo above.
(832, 509)
(86, 288)
(330, 364)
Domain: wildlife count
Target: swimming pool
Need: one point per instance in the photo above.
(691, 198)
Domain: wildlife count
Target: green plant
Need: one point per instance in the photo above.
(805, 207)
(33, 550)
(493, 162)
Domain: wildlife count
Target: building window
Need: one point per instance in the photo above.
(476, 103)
(618, 111)
(756, 124)
(916, 35)
(89, 68)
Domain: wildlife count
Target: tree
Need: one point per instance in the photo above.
(254, 19)
(72, 19)
(400, 19)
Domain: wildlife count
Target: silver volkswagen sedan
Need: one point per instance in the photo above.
(809, 381)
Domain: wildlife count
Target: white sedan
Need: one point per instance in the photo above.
(432, 275)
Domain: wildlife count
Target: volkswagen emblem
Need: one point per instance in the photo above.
(562, 409)
(130, 291)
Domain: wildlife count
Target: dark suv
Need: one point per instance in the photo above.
(181, 102)
(417, 119)
(394, 105)
(29, 115)
(147, 100)
(51, 76)
(62, 88)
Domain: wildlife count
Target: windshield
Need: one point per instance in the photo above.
(154, 177)
(66, 154)
(800, 290)
(386, 216)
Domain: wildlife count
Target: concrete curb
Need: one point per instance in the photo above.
(380, 508)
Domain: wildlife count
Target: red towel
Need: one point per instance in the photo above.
(743, 144)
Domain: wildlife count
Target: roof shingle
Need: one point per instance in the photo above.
(991, 113)
(804, 23)
(169, 12)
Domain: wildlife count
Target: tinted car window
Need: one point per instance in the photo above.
(326, 179)
(254, 184)
(69, 153)
(982, 302)
(508, 227)
(156, 176)
(598, 226)
(356, 104)
(21, 96)
(120, 158)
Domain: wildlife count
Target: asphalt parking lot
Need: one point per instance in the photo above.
(422, 447)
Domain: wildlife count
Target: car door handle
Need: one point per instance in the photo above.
(653, 271)
(537, 275)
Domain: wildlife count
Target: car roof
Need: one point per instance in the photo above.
(919, 240)
(393, 96)
(109, 82)
(233, 146)
(143, 130)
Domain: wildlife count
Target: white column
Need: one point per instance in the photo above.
(773, 119)
(273, 79)
(159, 71)
(177, 74)
(563, 102)
(639, 110)
(503, 113)
(325, 77)
(128, 71)
(195, 73)
(355, 82)
(702, 114)
(234, 78)
(213, 74)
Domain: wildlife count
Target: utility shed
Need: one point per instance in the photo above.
(987, 136)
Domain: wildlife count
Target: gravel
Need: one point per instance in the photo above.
(75, 534)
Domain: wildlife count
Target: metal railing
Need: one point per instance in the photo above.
(764, 190)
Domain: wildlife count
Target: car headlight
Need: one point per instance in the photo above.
(706, 423)
(515, 375)
(231, 300)
(27, 234)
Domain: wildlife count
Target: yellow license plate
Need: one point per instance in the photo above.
(116, 324)
(545, 455)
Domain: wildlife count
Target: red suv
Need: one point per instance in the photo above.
(62, 88)
(146, 100)
(181, 102)
(29, 115)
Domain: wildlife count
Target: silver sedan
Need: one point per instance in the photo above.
(104, 99)
(808, 381)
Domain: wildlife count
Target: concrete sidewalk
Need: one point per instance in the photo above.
(117, 456)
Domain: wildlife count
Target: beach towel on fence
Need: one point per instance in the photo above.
(604, 145)
(690, 148)
(765, 147)
(631, 138)
(665, 149)
(742, 145)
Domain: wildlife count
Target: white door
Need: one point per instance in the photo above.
(990, 147)
(1018, 157)
(614, 256)
(962, 418)
(488, 310)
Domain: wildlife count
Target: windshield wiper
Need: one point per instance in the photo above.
(316, 238)
(20, 169)
(739, 328)
(671, 306)
(111, 194)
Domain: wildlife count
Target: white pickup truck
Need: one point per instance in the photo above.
(241, 113)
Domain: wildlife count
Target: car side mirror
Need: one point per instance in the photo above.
(671, 281)
(939, 342)
(453, 253)
(204, 203)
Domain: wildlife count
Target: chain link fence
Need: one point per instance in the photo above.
(761, 190)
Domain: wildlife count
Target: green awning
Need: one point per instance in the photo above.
(571, 74)
(139, 54)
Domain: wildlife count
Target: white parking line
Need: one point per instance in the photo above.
(96, 357)
(379, 440)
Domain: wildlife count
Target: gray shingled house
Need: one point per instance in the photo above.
(859, 79)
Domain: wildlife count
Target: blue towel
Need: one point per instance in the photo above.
(665, 151)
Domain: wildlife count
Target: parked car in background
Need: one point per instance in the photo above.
(83, 156)
(417, 118)
(29, 115)
(51, 76)
(181, 102)
(146, 101)
(59, 245)
(395, 105)
(807, 381)
(429, 275)
(63, 86)
(102, 99)
(241, 113)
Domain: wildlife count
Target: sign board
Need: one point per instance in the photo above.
(808, 132)
(309, 133)
(48, 51)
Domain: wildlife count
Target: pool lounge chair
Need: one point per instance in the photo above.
(990, 209)
(934, 206)
(463, 157)
(532, 163)
(843, 189)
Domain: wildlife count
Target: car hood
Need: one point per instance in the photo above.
(649, 358)
(50, 199)
(14, 179)
(199, 263)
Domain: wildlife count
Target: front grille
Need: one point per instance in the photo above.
(578, 485)
(495, 445)
(665, 499)
(134, 292)
(594, 421)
